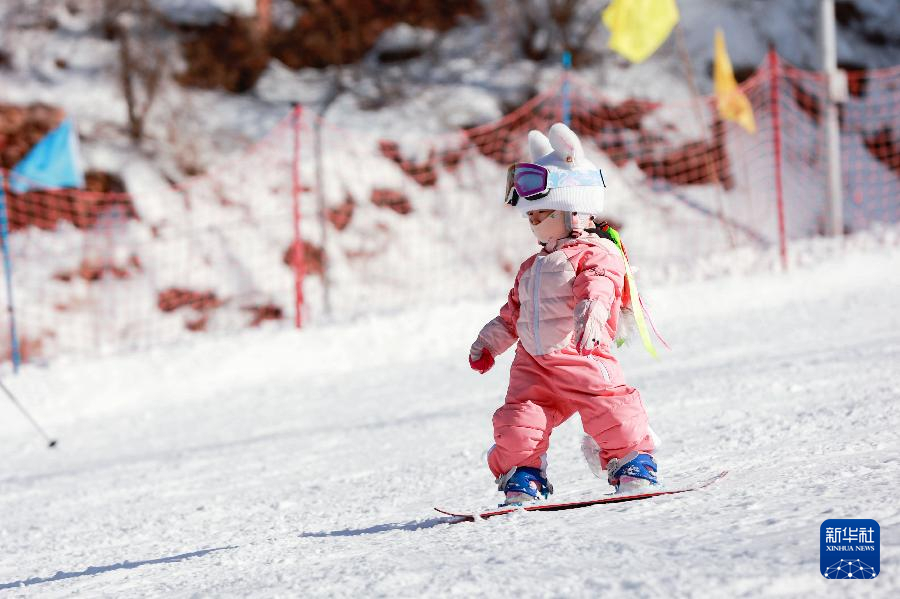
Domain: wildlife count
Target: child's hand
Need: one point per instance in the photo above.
(480, 357)
(590, 320)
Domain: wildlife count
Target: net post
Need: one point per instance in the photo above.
(835, 91)
(297, 251)
(774, 74)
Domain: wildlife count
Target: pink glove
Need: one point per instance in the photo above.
(590, 323)
(480, 357)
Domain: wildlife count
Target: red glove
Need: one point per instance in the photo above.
(480, 358)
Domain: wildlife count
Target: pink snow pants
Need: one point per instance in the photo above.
(544, 391)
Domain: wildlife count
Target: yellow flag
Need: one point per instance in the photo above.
(639, 27)
(733, 104)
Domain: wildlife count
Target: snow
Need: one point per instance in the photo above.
(285, 463)
(278, 83)
(404, 38)
(203, 12)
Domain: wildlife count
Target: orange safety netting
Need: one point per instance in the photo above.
(388, 223)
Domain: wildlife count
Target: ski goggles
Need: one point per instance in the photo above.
(533, 181)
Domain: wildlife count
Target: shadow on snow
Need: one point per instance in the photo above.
(90, 571)
(353, 532)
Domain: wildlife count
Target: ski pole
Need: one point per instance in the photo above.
(50, 442)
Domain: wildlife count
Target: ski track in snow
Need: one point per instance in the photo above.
(282, 464)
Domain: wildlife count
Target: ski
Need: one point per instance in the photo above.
(552, 507)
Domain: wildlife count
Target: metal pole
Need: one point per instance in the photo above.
(297, 254)
(566, 99)
(50, 442)
(7, 269)
(836, 85)
(774, 74)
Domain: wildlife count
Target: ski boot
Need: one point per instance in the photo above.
(523, 485)
(634, 473)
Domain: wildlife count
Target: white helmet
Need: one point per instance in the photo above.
(560, 178)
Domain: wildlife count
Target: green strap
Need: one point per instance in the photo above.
(636, 308)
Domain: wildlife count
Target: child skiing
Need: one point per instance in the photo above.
(564, 310)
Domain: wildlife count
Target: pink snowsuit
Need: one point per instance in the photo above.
(549, 379)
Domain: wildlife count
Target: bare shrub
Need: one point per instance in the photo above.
(544, 29)
(137, 28)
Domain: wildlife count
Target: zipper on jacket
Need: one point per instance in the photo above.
(605, 371)
(535, 299)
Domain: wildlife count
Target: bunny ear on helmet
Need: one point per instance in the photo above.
(538, 144)
(565, 144)
(560, 176)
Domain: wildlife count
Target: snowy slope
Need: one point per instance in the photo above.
(306, 464)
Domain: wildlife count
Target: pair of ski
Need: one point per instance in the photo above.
(556, 506)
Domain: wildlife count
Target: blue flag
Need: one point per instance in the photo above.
(53, 163)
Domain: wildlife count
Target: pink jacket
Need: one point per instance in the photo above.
(541, 305)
